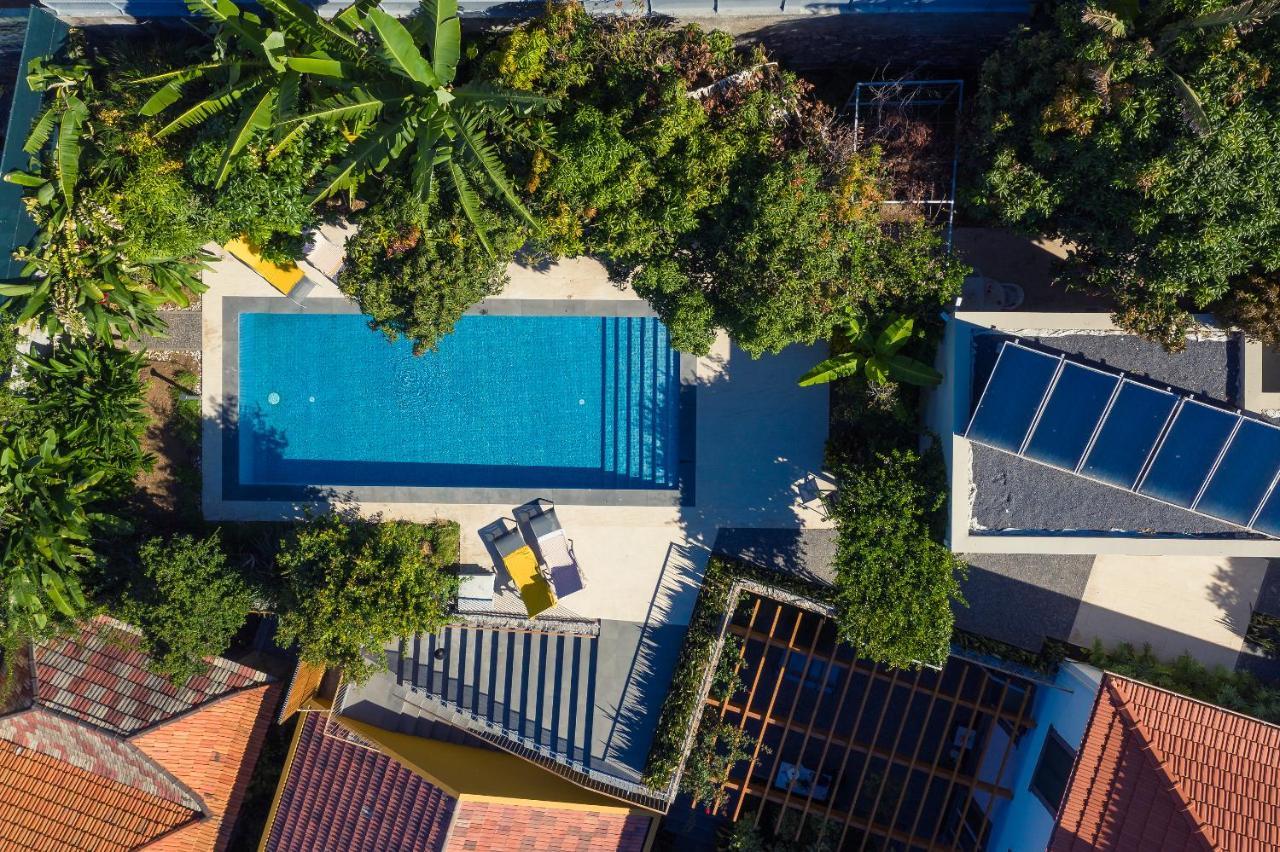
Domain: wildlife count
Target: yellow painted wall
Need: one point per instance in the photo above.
(463, 771)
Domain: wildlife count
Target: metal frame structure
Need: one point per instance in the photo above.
(914, 791)
(1180, 402)
(939, 102)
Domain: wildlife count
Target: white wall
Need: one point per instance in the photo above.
(1024, 824)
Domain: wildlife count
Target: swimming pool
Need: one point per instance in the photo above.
(566, 402)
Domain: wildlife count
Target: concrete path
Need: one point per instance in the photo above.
(1178, 604)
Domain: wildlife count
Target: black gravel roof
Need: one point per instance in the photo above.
(1013, 495)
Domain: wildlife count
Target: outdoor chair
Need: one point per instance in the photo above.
(555, 548)
(522, 566)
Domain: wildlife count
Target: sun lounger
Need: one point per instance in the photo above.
(556, 549)
(521, 563)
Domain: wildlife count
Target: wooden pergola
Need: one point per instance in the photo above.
(871, 757)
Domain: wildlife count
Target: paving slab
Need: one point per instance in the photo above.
(1177, 604)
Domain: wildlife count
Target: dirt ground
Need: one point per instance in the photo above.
(171, 488)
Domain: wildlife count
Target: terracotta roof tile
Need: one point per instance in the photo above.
(340, 795)
(49, 804)
(212, 751)
(1158, 770)
(494, 827)
(100, 676)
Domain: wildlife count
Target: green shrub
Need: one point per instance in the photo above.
(352, 586)
(93, 395)
(187, 602)
(718, 748)
(1144, 137)
(1234, 690)
(895, 581)
(415, 271)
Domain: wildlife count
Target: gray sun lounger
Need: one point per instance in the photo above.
(555, 549)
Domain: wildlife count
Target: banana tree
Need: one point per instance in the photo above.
(46, 525)
(401, 93)
(254, 68)
(66, 112)
(390, 86)
(1130, 30)
(78, 276)
(877, 356)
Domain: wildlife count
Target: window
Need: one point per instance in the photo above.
(1052, 771)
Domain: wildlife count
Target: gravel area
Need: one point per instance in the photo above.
(809, 554)
(1022, 599)
(183, 334)
(1016, 494)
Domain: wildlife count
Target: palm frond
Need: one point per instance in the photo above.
(443, 32)
(41, 130)
(303, 24)
(255, 116)
(486, 95)
(424, 157)
(402, 53)
(1192, 108)
(371, 153)
(341, 107)
(483, 155)
(468, 200)
(1105, 21)
(207, 108)
(1244, 16)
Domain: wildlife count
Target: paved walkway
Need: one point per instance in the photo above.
(1177, 604)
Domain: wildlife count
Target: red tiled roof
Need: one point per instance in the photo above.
(112, 757)
(101, 677)
(212, 751)
(339, 795)
(1161, 771)
(48, 804)
(103, 754)
(493, 827)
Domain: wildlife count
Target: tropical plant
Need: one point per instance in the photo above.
(878, 357)
(253, 67)
(46, 524)
(93, 391)
(66, 112)
(718, 747)
(187, 602)
(414, 272)
(353, 585)
(1143, 136)
(77, 277)
(391, 86)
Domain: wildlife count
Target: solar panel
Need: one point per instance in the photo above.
(1104, 426)
(1012, 397)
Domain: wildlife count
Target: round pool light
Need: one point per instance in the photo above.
(273, 398)
(582, 402)
(311, 399)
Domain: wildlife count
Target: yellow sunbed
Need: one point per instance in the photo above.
(521, 563)
(283, 278)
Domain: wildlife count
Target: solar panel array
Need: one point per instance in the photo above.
(1111, 429)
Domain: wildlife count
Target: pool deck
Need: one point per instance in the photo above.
(757, 436)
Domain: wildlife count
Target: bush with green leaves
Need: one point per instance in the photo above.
(353, 585)
(50, 495)
(718, 748)
(187, 601)
(415, 270)
(895, 580)
(1144, 134)
(95, 392)
(1235, 690)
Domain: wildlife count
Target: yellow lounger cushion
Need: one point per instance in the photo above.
(522, 565)
(283, 278)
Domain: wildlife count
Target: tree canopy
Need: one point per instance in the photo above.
(1144, 134)
(351, 586)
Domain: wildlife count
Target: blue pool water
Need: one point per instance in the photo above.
(505, 401)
